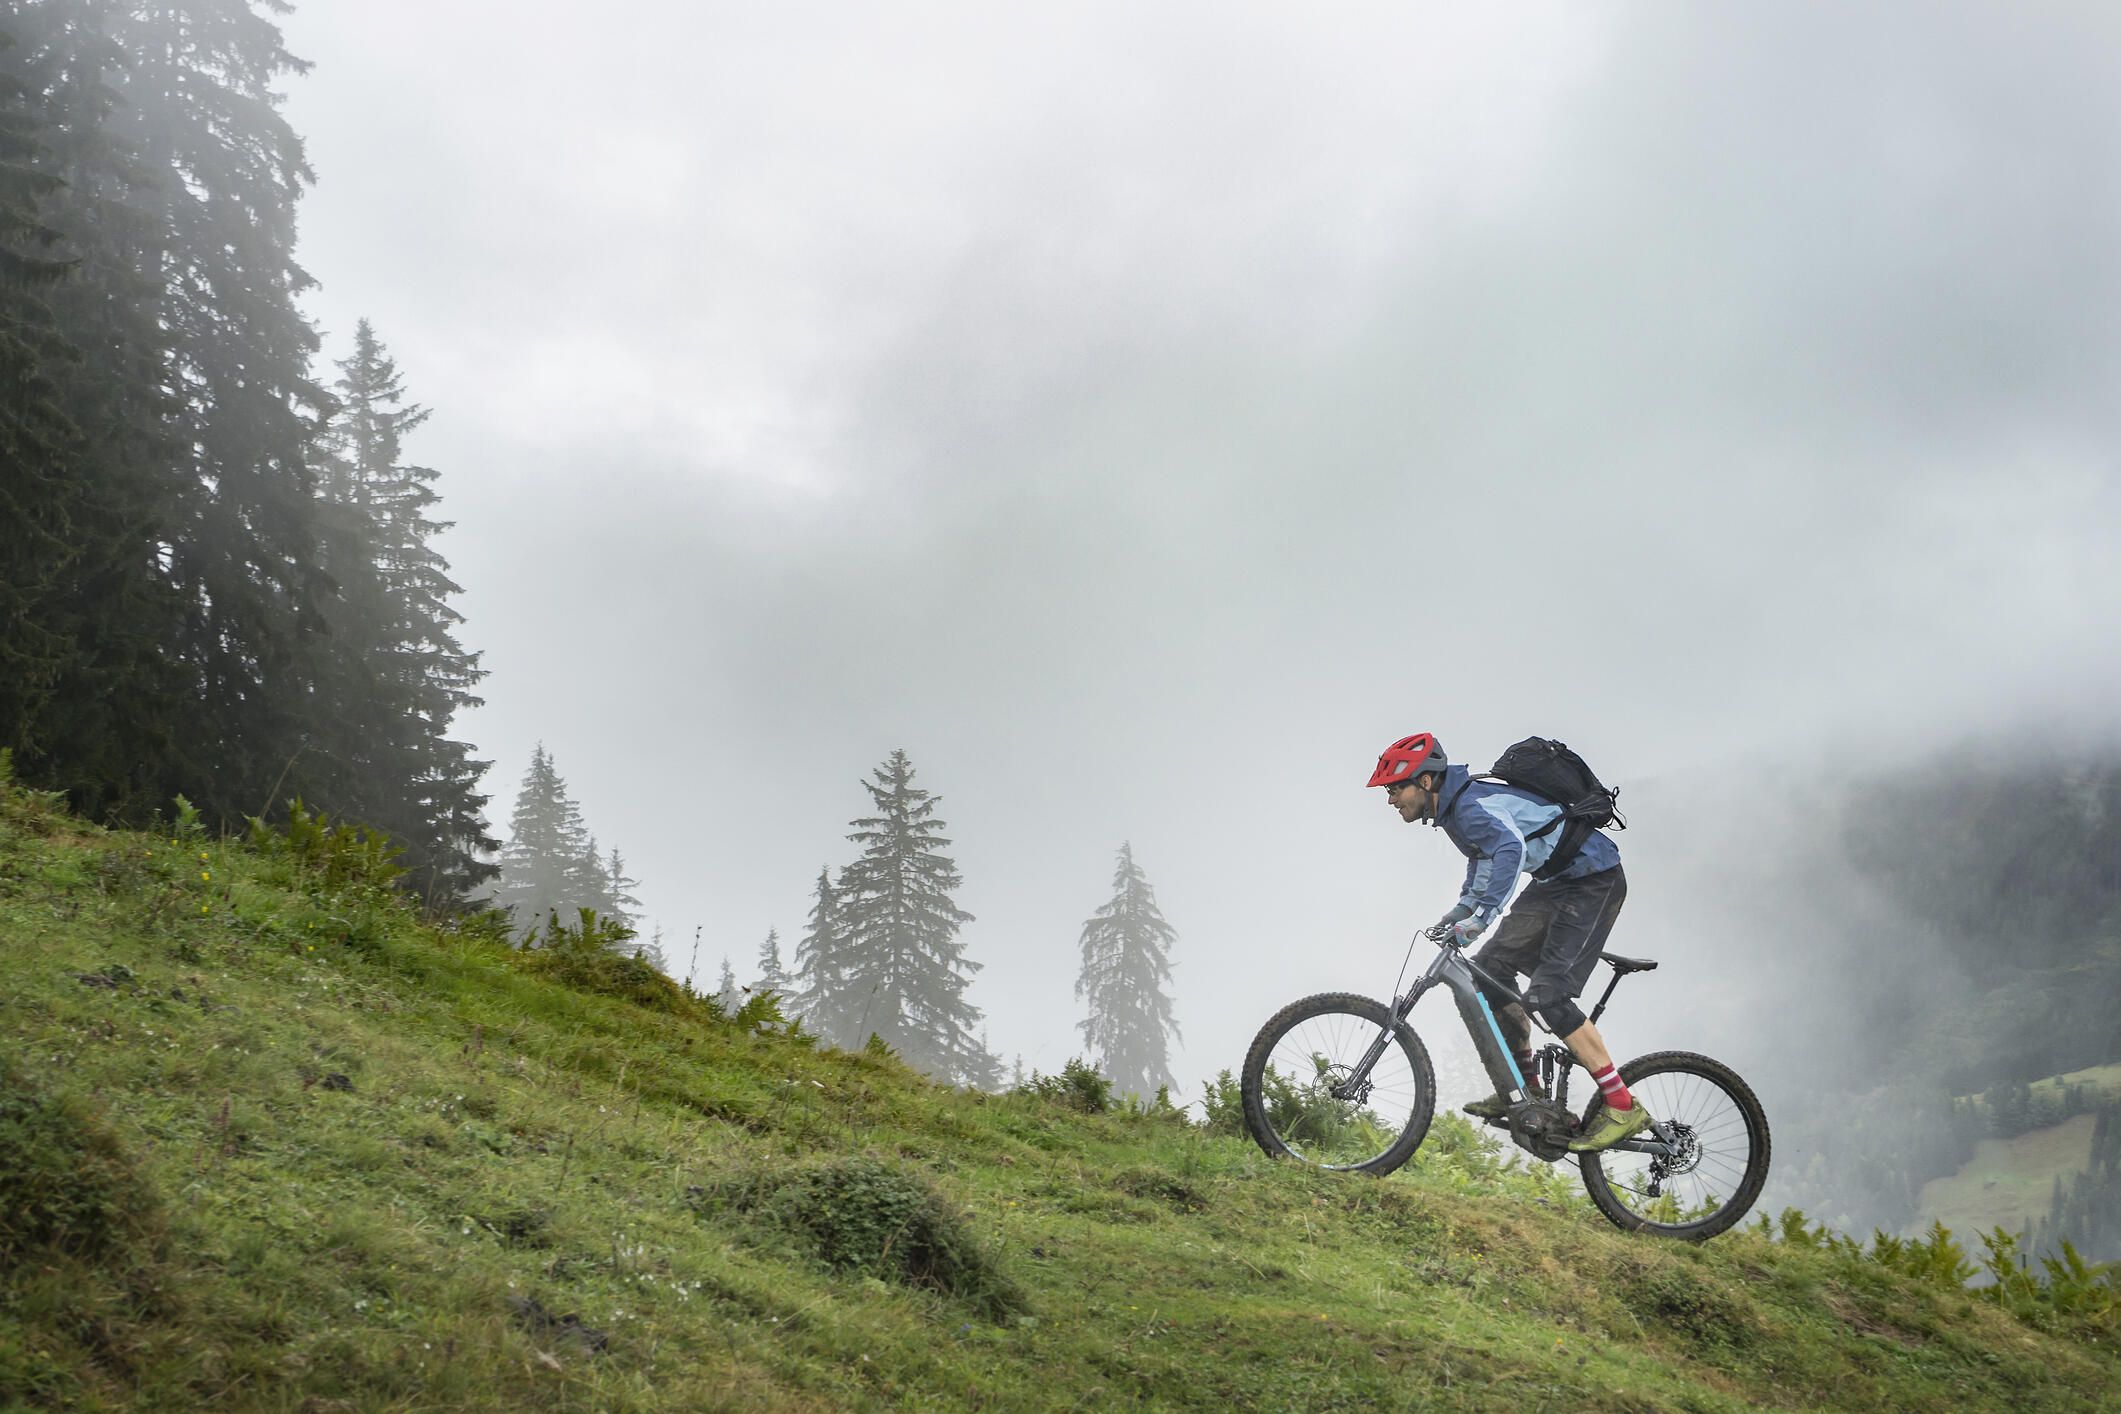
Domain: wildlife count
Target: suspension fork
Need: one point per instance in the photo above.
(1358, 1078)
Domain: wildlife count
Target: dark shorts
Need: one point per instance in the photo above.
(1555, 932)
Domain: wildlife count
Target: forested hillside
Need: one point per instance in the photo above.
(1944, 935)
(218, 576)
(2016, 866)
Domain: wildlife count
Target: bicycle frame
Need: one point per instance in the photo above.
(1463, 976)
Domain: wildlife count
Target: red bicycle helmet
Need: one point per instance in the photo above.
(1407, 758)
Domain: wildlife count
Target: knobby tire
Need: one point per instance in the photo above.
(1718, 1089)
(1332, 1029)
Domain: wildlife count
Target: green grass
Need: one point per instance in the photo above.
(2009, 1181)
(325, 1158)
(2100, 1082)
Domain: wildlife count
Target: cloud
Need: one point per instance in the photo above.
(1141, 416)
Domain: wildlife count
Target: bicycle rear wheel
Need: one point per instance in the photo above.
(1311, 1047)
(1719, 1165)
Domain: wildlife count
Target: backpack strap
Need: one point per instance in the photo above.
(1566, 848)
(1548, 828)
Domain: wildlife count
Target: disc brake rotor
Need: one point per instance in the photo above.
(1685, 1156)
(1343, 1089)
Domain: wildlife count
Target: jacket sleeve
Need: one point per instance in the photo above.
(1497, 849)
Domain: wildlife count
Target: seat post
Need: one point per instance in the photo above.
(1604, 997)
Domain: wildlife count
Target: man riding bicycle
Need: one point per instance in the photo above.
(1556, 931)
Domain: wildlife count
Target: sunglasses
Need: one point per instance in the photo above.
(1397, 786)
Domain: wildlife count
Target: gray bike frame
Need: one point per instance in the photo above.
(1453, 969)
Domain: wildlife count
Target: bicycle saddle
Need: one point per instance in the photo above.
(1622, 966)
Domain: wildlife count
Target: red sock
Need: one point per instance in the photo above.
(1616, 1094)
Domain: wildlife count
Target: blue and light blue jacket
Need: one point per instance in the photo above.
(1490, 822)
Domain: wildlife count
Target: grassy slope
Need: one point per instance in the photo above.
(2100, 1082)
(2009, 1181)
(282, 1244)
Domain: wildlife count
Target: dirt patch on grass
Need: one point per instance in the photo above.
(1852, 1314)
(1161, 1186)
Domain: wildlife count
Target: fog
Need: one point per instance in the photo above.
(1143, 418)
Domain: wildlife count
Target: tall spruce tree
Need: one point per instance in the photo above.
(619, 888)
(1126, 948)
(904, 969)
(198, 106)
(983, 1069)
(400, 677)
(550, 862)
(99, 723)
(651, 952)
(42, 487)
(726, 991)
(592, 881)
(228, 631)
(821, 996)
(772, 976)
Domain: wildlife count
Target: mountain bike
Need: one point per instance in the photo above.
(1342, 1082)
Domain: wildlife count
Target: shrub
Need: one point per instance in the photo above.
(324, 855)
(37, 811)
(761, 1012)
(863, 1215)
(1305, 1112)
(593, 957)
(2067, 1290)
(1937, 1258)
(1078, 1086)
(1222, 1105)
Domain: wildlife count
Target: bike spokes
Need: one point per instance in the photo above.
(1706, 1164)
(1318, 1104)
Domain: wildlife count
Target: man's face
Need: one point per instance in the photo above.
(1412, 798)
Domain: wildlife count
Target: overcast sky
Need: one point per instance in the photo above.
(1142, 414)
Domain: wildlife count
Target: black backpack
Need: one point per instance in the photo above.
(1549, 770)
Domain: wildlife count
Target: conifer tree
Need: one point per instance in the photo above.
(98, 724)
(382, 753)
(1126, 951)
(383, 749)
(592, 883)
(549, 863)
(651, 952)
(983, 1068)
(726, 991)
(822, 999)
(42, 489)
(904, 969)
(198, 106)
(619, 890)
(231, 632)
(772, 976)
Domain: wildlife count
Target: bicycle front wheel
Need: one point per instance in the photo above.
(1304, 1101)
(1715, 1172)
